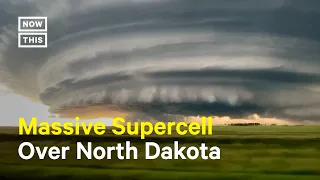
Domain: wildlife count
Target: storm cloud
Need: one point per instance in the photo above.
(155, 57)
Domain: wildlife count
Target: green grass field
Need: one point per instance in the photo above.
(264, 153)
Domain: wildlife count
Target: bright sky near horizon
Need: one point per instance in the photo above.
(13, 106)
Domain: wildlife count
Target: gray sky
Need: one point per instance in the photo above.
(144, 59)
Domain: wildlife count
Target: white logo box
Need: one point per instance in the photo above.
(34, 19)
(20, 45)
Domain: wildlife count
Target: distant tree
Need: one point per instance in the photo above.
(245, 124)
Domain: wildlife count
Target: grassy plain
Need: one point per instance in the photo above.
(262, 152)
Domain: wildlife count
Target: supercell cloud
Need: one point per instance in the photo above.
(156, 57)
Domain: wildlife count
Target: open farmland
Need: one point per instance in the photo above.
(262, 152)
